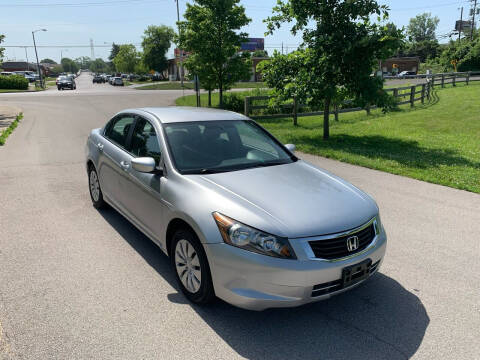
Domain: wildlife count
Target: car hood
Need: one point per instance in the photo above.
(293, 200)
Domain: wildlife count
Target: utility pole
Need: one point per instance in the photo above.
(461, 25)
(26, 56)
(180, 50)
(36, 55)
(282, 47)
(92, 52)
(473, 19)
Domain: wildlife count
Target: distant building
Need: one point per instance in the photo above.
(253, 44)
(24, 66)
(398, 64)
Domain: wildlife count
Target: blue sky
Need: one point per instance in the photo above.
(75, 22)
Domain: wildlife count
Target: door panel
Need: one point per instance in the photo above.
(113, 156)
(145, 189)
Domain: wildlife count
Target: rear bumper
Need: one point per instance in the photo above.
(257, 282)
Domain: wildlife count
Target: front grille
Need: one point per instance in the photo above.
(332, 286)
(337, 247)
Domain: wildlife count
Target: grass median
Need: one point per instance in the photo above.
(437, 142)
(5, 133)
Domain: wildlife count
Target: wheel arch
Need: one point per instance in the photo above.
(173, 226)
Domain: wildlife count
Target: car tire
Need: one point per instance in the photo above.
(94, 188)
(185, 245)
(59, 88)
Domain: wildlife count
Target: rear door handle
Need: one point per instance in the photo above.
(100, 146)
(124, 165)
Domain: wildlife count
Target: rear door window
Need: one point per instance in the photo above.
(119, 128)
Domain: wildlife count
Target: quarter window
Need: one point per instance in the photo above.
(118, 129)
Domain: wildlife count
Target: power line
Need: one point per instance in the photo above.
(98, 3)
(431, 6)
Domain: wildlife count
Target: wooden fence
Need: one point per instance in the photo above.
(405, 95)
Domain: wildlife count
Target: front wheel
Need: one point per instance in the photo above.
(95, 191)
(191, 267)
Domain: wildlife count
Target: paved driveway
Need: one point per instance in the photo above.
(76, 283)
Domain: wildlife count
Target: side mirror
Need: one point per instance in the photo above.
(144, 164)
(290, 147)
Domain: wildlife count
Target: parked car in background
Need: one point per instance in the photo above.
(406, 73)
(240, 216)
(29, 77)
(97, 79)
(66, 82)
(6, 73)
(117, 81)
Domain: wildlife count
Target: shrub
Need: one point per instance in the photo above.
(234, 102)
(16, 82)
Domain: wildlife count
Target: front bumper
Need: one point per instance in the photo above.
(257, 282)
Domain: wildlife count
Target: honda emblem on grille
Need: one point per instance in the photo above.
(352, 243)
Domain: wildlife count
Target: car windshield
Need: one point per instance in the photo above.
(204, 147)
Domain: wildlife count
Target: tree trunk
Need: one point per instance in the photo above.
(209, 98)
(326, 118)
(220, 96)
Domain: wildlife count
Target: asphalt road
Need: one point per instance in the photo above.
(76, 283)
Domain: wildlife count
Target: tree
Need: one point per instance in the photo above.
(69, 65)
(83, 62)
(2, 37)
(426, 49)
(211, 32)
(126, 59)
(114, 51)
(340, 48)
(422, 38)
(48, 61)
(260, 53)
(156, 42)
(422, 28)
(98, 66)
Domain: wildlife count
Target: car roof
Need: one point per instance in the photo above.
(174, 114)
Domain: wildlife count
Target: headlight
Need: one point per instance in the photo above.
(240, 235)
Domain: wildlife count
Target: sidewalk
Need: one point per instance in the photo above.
(7, 115)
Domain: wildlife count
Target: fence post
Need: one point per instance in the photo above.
(423, 93)
(295, 111)
(453, 80)
(467, 79)
(247, 105)
(412, 96)
(336, 112)
(443, 80)
(367, 109)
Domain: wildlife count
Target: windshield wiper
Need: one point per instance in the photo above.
(271, 163)
(204, 171)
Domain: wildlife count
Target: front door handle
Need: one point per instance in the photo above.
(100, 146)
(125, 165)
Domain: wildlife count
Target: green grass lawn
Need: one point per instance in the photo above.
(190, 100)
(438, 142)
(14, 90)
(175, 85)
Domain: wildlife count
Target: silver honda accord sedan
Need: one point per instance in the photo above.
(240, 216)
